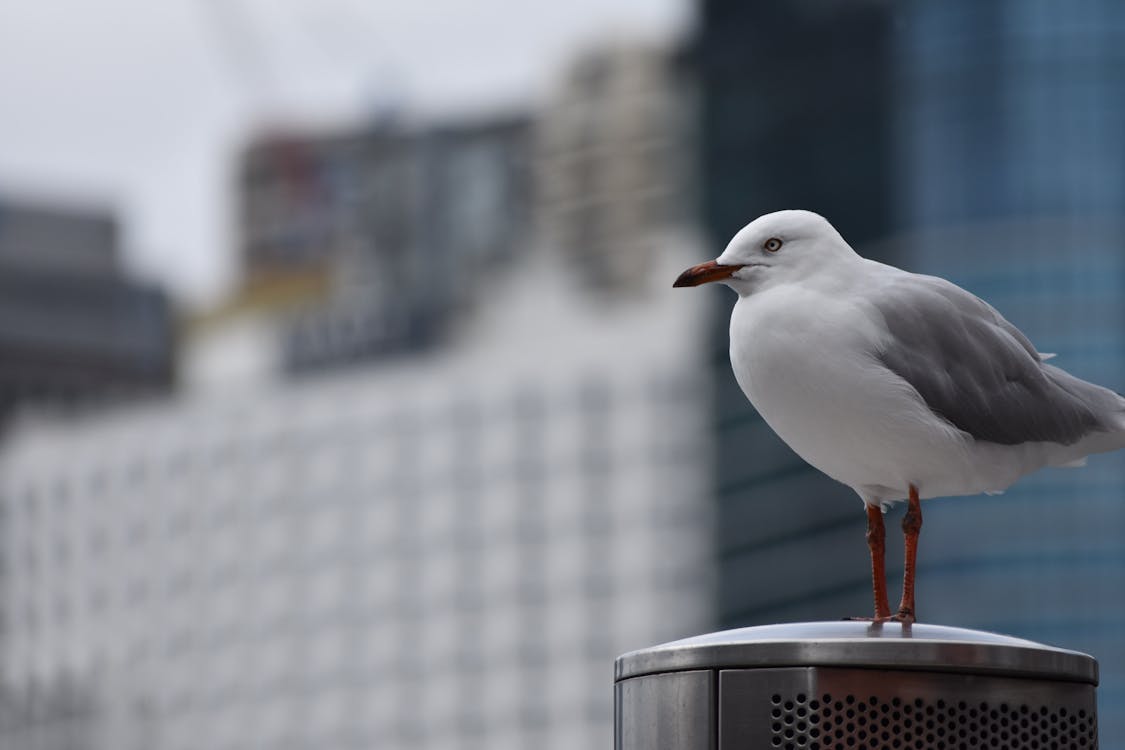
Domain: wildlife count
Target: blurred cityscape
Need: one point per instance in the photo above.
(452, 442)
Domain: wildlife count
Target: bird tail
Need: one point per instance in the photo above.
(1107, 409)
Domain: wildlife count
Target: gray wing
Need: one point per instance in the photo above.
(979, 372)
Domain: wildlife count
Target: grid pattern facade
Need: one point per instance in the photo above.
(1045, 560)
(613, 163)
(1011, 142)
(1005, 134)
(1008, 110)
(350, 564)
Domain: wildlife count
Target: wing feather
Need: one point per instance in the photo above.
(979, 372)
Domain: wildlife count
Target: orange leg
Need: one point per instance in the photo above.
(911, 526)
(876, 542)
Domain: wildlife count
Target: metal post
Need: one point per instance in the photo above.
(852, 685)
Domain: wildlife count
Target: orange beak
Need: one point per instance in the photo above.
(705, 273)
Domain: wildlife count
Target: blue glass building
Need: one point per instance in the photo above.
(1010, 175)
(994, 156)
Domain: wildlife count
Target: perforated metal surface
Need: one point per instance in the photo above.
(806, 708)
(822, 686)
(850, 722)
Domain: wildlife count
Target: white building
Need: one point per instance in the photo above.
(444, 552)
(615, 151)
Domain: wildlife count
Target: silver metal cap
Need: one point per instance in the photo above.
(859, 644)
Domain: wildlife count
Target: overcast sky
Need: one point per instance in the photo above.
(139, 105)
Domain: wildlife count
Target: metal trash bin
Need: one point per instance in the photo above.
(853, 685)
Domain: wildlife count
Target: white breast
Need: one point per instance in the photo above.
(807, 363)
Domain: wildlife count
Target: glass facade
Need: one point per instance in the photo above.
(785, 129)
(1004, 171)
(1011, 166)
(1008, 109)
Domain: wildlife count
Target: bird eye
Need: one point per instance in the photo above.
(773, 244)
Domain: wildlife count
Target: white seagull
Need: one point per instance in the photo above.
(901, 386)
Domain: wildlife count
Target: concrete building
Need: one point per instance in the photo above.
(80, 241)
(444, 552)
(73, 329)
(395, 228)
(615, 161)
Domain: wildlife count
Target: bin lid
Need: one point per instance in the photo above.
(860, 644)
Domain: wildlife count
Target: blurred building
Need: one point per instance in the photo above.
(446, 551)
(392, 230)
(73, 329)
(1010, 138)
(615, 161)
(443, 544)
(783, 128)
(83, 242)
(995, 156)
(381, 242)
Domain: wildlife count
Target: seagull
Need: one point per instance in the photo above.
(901, 386)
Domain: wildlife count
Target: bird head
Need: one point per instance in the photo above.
(776, 248)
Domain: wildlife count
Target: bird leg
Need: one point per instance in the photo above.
(876, 542)
(911, 526)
